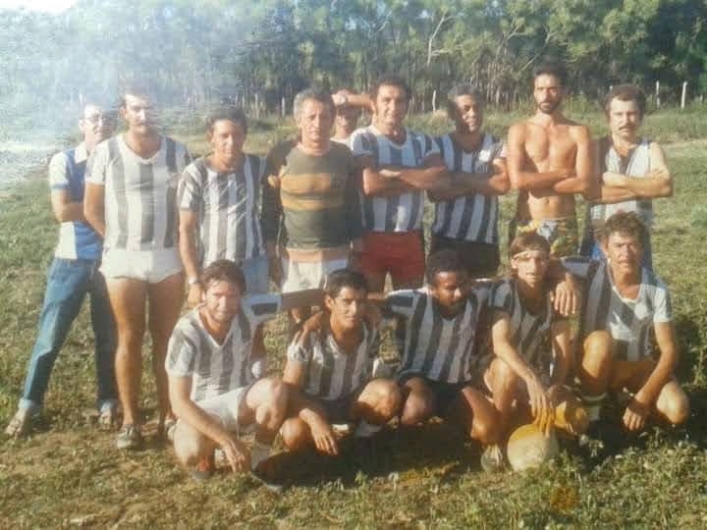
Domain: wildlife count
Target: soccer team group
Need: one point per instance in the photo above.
(329, 220)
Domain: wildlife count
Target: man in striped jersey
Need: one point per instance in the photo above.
(331, 365)
(531, 343)
(220, 206)
(312, 219)
(549, 160)
(633, 169)
(211, 385)
(466, 211)
(72, 275)
(626, 329)
(131, 200)
(439, 355)
(397, 166)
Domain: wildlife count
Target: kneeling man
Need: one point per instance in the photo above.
(439, 349)
(626, 328)
(330, 366)
(531, 345)
(211, 385)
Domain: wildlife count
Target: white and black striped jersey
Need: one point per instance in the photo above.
(471, 217)
(435, 347)
(228, 206)
(330, 373)
(629, 322)
(530, 332)
(637, 165)
(397, 213)
(218, 368)
(140, 194)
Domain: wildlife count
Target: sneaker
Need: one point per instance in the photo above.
(264, 473)
(19, 424)
(492, 459)
(129, 437)
(204, 469)
(108, 416)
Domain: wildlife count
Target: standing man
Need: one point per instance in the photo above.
(397, 166)
(212, 387)
(633, 170)
(73, 274)
(466, 211)
(312, 220)
(330, 370)
(549, 160)
(131, 199)
(220, 206)
(626, 329)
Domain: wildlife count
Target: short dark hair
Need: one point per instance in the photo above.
(314, 94)
(626, 93)
(445, 260)
(226, 112)
(391, 80)
(224, 270)
(341, 278)
(528, 241)
(462, 89)
(139, 91)
(553, 67)
(626, 224)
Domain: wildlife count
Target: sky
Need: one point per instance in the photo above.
(51, 6)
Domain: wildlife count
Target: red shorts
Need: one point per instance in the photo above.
(401, 254)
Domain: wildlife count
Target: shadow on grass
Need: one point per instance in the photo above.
(440, 448)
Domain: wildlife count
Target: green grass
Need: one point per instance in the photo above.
(69, 474)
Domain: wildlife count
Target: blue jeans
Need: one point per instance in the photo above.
(68, 282)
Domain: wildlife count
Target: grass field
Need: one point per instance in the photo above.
(69, 474)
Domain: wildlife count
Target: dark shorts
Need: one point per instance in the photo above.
(401, 254)
(480, 259)
(445, 393)
(338, 410)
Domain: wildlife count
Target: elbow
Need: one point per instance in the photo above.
(369, 188)
(503, 186)
(667, 189)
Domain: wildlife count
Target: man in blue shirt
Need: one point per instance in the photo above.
(73, 274)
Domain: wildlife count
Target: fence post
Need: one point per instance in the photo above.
(283, 107)
(684, 95)
(657, 93)
(257, 107)
(434, 101)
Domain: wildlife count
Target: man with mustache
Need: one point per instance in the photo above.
(131, 199)
(72, 275)
(633, 169)
(549, 160)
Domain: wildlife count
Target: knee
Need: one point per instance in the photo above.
(677, 409)
(486, 430)
(189, 446)
(597, 348)
(502, 376)
(271, 411)
(386, 402)
(416, 409)
(295, 434)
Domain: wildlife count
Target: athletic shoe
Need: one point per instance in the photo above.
(129, 437)
(492, 459)
(19, 424)
(204, 469)
(264, 473)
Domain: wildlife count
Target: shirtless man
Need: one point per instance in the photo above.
(549, 160)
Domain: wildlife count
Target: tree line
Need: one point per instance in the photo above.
(194, 53)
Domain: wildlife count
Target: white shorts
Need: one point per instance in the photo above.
(151, 266)
(225, 407)
(302, 275)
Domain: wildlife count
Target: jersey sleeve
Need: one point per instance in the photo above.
(263, 307)
(500, 150)
(429, 146)
(662, 306)
(300, 349)
(501, 297)
(97, 165)
(181, 354)
(361, 143)
(401, 303)
(190, 194)
(577, 266)
(58, 172)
